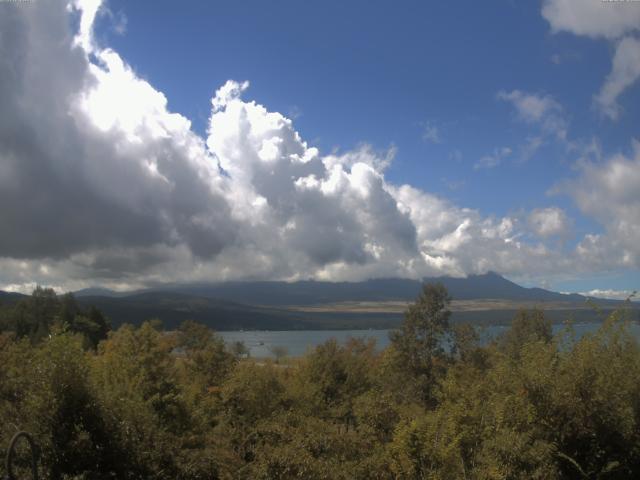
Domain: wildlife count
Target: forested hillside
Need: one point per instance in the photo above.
(142, 403)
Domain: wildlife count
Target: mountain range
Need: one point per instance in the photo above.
(486, 286)
(378, 303)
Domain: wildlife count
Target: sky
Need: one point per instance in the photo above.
(152, 142)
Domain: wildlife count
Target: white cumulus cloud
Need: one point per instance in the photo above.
(611, 294)
(547, 222)
(609, 191)
(624, 73)
(538, 109)
(592, 18)
(494, 159)
(603, 19)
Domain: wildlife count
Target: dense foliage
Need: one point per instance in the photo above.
(44, 312)
(141, 403)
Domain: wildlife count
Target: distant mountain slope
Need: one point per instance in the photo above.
(10, 297)
(304, 292)
(490, 285)
(174, 308)
(286, 306)
(100, 292)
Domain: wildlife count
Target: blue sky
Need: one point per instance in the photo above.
(513, 110)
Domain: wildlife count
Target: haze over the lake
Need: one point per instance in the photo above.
(144, 143)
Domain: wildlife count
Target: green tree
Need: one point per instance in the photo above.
(37, 316)
(419, 341)
(136, 380)
(526, 327)
(45, 390)
(239, 349)
(279, 352)
(34, 316)
(206, 356)
(332, 376)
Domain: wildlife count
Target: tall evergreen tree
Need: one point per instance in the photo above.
(419, 341)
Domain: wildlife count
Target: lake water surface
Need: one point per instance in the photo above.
(298, 342)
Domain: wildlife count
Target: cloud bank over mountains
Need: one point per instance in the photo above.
(101, 183)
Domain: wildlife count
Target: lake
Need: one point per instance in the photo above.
(298, 342)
